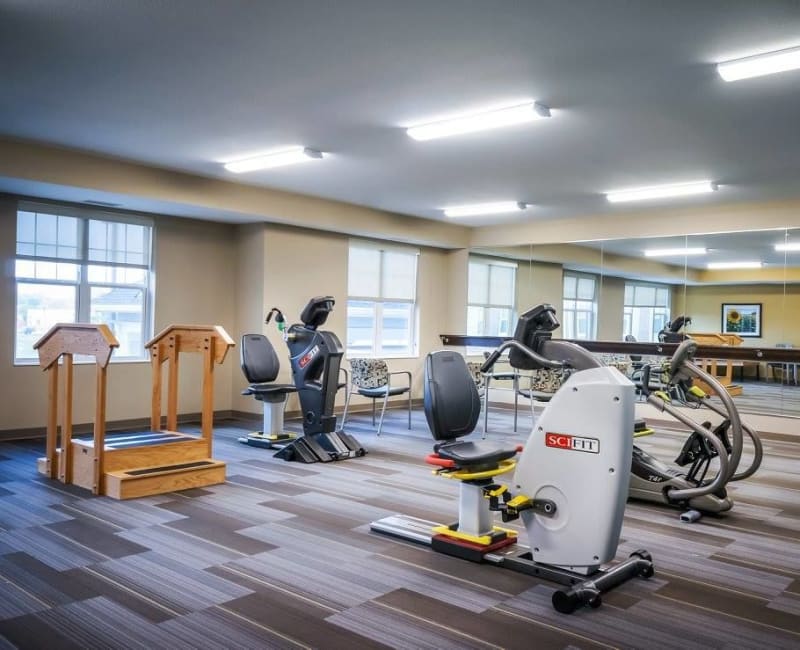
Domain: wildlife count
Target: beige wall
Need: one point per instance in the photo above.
(610, 308)
(195, 284)
(780, 312)
(299, 264)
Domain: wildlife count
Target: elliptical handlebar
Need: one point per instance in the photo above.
(682, 367)
(544, 362)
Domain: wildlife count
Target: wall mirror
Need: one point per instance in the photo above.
(738, 289)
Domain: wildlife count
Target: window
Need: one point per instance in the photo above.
(646, 310)
(381, 304)
(491, 290)
(73, 266)
(579, 315)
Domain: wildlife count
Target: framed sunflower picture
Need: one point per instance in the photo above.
(742, 319)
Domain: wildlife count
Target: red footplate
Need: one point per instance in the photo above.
(467, 550)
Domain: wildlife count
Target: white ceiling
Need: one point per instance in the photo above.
(185, 84)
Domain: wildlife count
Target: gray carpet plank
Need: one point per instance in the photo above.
(282, 556)
(179, 588)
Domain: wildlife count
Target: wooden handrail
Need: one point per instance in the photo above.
(66, 340)
(736, 353)
(91, 339)
(213, 342)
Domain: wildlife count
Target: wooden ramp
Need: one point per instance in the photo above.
(129, 465)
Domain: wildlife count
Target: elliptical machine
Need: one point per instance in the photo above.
(315, 356)
(571, 479)
(671, 332)
(692, 490)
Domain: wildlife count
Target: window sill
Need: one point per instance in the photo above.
(114, 362)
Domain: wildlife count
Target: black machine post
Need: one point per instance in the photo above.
(315, 356)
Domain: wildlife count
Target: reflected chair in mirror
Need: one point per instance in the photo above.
(636, 359)
(498, 374)
(371, 378)
(542, 384)
(788, 370)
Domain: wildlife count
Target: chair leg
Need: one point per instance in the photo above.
(486, 407)
(373, 411)
(515, 384)
(346, 406)
(409, 409)
(383, 411)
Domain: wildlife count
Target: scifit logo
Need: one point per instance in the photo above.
(572, 443)
(306, 358)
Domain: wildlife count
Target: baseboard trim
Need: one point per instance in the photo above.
(111, 427)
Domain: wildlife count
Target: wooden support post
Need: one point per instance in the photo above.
(207, 418)
(65, 460)
(100, 429)
(52, 420)
(155, 408)
(172, 386)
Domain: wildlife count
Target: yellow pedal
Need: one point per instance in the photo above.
(482, 540)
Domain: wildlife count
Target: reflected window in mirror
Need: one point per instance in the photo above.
(491, 289)
(646, 310)
(579, 311)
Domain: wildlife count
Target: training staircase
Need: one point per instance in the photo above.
(129, 465)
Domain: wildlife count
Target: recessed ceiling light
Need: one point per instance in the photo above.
(673, 252)
(475, 209)
(760, 64)
(483, 121)
(793, 246)
(661, 191)
(735, 265)
(279, 158)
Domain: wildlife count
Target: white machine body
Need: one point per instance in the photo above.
(579, 456)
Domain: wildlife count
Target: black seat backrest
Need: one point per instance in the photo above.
(316, 312)
(260, 363)
(452, 404)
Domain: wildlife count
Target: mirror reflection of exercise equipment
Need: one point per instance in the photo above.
(128, 465)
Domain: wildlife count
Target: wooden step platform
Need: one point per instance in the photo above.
(143, 463)
(146, 481)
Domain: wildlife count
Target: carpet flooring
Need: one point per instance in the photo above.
(281, 556)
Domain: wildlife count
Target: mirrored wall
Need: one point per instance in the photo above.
(736, 288)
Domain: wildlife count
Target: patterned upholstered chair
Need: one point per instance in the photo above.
(542, 384)
(371, 378)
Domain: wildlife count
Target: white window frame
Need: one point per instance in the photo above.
(378, 302)
(627, 309)
(491, 265)
(569, 315)
(83, 286)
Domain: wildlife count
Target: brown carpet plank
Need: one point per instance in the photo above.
(299, 620)
(493, 626)
(738, 604)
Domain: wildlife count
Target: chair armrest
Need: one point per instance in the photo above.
(398, 372)
(346, 376)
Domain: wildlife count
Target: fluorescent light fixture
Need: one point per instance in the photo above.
(476, 209)
(793, 246)
(760, 64)
(674, 252)
(734, 265)
(661, 191)
(279, 158)
(483, 121)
